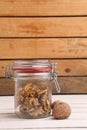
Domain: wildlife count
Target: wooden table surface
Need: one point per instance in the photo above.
(77, 120)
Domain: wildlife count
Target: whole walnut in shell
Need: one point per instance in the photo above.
(61, 110)
(55, 103)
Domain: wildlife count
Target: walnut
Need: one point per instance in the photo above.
(61, 110)
(55, 103)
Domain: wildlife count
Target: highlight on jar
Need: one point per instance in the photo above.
(33, 81)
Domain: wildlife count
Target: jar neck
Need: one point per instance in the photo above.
(32, 75)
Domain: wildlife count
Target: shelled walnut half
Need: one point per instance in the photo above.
(33, 100)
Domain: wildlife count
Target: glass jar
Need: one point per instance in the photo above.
(33, 81)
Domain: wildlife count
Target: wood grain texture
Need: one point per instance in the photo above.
(68, 85)
(64, 67)
(42, 7)
(43, 48)
(36, 37)
(43, 27)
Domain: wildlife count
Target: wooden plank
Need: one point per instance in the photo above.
(42, 7)
(7, 114)
(74, 110)
(6, 86)
(76, 101)
(64, 67)
(73, 84)
(72, 123)
(43, 27)
(75, 115)
(68, 85)
(13, 122)
(43, 48)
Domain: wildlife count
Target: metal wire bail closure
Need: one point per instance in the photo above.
(8, 73)
(54, 77)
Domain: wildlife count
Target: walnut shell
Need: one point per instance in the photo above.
(55, 103)
(61, 110)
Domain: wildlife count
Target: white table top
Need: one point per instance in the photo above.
(77, 120)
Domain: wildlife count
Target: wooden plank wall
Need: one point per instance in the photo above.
(45, 29)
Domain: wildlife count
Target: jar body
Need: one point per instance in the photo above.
(33, 82)
(32, 96)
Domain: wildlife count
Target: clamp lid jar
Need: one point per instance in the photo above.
(32, 87)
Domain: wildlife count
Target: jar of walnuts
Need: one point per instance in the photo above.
(33, 81)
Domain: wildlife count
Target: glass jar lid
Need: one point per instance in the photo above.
(33, 67)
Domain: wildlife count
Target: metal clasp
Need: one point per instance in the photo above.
(54, 77)
(8, 73)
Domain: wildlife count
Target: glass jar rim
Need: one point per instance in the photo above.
(46, 74)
